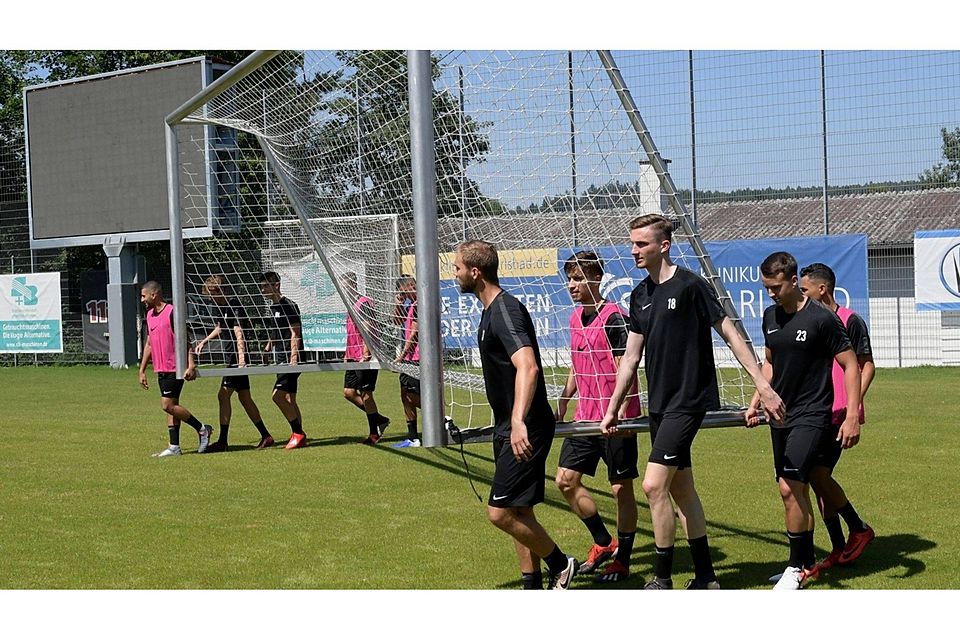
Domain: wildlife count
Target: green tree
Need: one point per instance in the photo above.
(948, 173)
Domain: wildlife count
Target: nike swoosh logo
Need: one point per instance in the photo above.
(666, 457)
(785, 469)
(501, 497)
(769, 331)
(645, 306)
(620, 472)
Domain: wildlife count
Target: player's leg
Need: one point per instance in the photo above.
(410, 398)
(517, 486)
(531, 575)
(579, 456)
(661, 467)
(690, 509)
(170, 389)
(621, 459)
(376, 423)
(226, 411)
(794, 454)
(285, 397)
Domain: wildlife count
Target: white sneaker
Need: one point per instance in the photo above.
(790, 580)
(172, 450)
(205, 432)
(405, 444)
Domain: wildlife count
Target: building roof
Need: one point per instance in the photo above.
(886, 218)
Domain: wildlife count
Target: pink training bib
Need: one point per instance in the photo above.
(163, 352)
(354, 350)
(839, 390)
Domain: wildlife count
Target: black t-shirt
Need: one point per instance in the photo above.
(230, 315)
(859, 337)
(506, 327)
(615, 328)
(675, 318)
(802, 347)
(284, 315)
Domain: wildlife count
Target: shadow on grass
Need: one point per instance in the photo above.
(894, 553)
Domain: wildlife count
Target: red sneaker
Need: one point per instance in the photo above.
(615, 572)
(371, 439)
(856, 543)
(265, 443)
(296, 441)
(830, 561)
(597, 556)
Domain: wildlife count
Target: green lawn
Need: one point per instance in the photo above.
(84, 506)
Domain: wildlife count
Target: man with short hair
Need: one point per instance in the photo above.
(818, 282)
(598, 337)
(286, 343)
(160, 350)
(232, 317)
(671, 313)
(523, 420)
(405, 314)
(359, 384)
(803, 338)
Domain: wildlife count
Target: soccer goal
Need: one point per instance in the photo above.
(379, 163)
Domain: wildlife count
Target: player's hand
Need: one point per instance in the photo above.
(849, 434)
(522, 449)
(773, 405)
(242, 360)
(561, 411)
(199, 347)
(608, 426)
(143, 380)
(190, 373)
(752, 416)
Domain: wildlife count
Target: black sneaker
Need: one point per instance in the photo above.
(216, 447)
(563, 579)
(710, 585)
(659, 583)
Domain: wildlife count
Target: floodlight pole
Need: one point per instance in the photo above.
(420, 83)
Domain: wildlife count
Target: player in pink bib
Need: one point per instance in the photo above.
(160, 349)
(818, 281)
(359, 384)
(598, 337)
(405, 315)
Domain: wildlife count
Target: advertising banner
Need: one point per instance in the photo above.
(936, 273)
(30, 314)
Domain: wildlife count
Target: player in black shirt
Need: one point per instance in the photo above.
(523, 420)
(232, 318)
(671, 313)
(818, 282)
(285, 342)
(802, 340)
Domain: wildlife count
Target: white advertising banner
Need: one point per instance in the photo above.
(936, 259)
(30, 320)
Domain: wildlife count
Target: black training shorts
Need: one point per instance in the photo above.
(671, 437)
(237, 383)
(583, 455)
(520, 484)
(287, 382)
(170, 387)
(361, 379)
(409, 384)
(795, 450)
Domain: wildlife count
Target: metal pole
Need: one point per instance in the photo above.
(425, 229)
(573, 152)
(360, 180)
(693, 147)
(823, 114)
(463, 167)
(666, 184)
(176, 250)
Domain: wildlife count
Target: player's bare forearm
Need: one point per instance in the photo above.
(241, 346)
(525, 384)
(851, 381)
(147, 352)
(867, 371)
(295, 344)
(626, 372)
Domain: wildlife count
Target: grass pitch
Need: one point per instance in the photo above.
(84, 506)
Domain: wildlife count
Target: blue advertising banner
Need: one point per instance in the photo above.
(738, 262)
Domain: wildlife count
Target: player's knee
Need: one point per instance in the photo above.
(566, 481)
(498, 517)
(168, 406)
(224, 394)
(654, 489)
(622, 490)
(348, 394)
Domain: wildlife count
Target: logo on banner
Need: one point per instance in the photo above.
(313, 276)
(24, 294)
(950, 270)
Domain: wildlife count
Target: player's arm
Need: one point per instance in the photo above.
(569, 389)
(867, 371)
(772, 404)
(849, 434)
(409, 345)
(213, 335)
(752, 415)
(296, 330)
(626, 374)
(398, 315)
(147, 352)
(525, 386)
(241, 345)
(623, 405)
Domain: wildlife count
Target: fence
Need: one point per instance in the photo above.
(761, 144)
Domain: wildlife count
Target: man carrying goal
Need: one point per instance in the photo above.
(598, 337)
(671, 313)
(286, 343)
(160, 349)
(523, 419)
